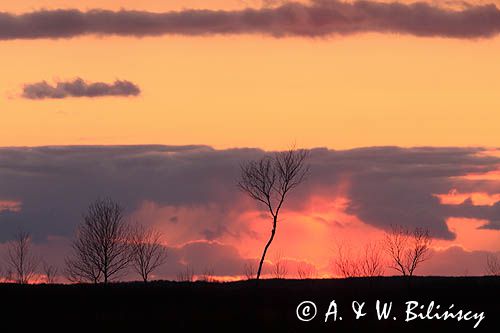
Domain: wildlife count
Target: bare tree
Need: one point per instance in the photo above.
(306, 271)
(50, 273)
(492, 265)
(101, 250)
(371, 260)
(21, 261)
(280, 266)
(147, 250)
(186, 276)
(366, 262)
(407, 249)
(208, 275)
(249, 271)
(269, 181)
(345, 264)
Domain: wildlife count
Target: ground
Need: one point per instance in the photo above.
(270, 305)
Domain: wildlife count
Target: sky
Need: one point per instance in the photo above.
(156, 103)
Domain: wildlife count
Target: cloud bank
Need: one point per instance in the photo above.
(79, 88)
(319, 18)
(194, 186)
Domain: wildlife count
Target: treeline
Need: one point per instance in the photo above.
(103, 250)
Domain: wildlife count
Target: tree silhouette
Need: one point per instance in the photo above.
(306, 271)
(101, 250)
(148, 253)
(21, 261)
(366, 262)
(372, 261)
(50, 273)
(407, 249)
(249, 271)
(186, 276)
(280, 268)
(269, 181)
(208, 275)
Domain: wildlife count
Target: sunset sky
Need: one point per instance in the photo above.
(197, 87)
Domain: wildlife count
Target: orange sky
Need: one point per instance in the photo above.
(340, 92)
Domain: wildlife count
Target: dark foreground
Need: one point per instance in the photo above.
(242, 306)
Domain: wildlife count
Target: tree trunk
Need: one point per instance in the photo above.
(267, 246)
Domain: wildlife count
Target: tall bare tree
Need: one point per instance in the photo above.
(101, 250)
(147, 250)
(269, 181)
(407, 248)
(21, 261)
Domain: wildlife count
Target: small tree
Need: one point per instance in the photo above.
(407, 249)
(21, 261)
(306, 271)
(147, 250)
(345, 264)
(50, 273)
(186, 275)
(371, 260)
(280, 266)
(101, 252)
(208, 275)
(269, 181)
(249, 270)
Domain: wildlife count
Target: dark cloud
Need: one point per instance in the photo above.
(485, 212)
(79, 88)
(52, 186)
(316, 19)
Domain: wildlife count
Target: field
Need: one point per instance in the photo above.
(245, 306)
